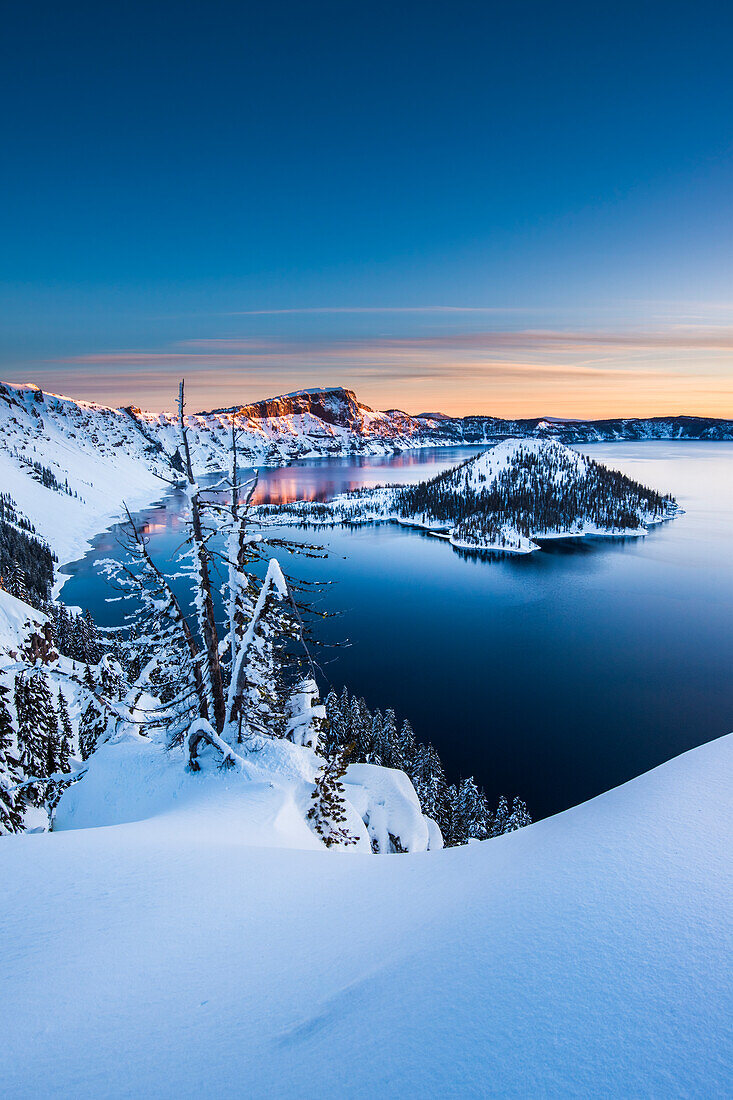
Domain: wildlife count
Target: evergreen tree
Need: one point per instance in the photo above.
(375, 753)
(501, 817)
(64, 637)
(112, 677)
(362, 717)
(430, 783)
(37, 727)
(66, 734)
(388, 744)
(449, 818)
(344, 705)
(11, 800)
(260, 706)
(18, 583)
(519, 816)
(404, 749)
(52, 738)
(334, 732)
(90, 636)
(472, 812)
(327, 812)
(306, 722)
(91, 727)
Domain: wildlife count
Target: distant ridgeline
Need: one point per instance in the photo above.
(502, 500)
(37, 429)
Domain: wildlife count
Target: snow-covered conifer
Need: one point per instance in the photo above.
(259, 690)
(501, 817)
(519, 816)
(18, 583)
(112, 679)
(334, 731)
(91, 727)
(430, 782)
(66, 733)
(306, 721)
(11, 800)
(52, 738)
(376, 753)
(472, 812)
(389, 738)
(404, 748)
(37, 727)
(327, 812)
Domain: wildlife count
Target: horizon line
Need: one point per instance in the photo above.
(391, 409)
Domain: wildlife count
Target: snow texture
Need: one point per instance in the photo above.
(169, 955)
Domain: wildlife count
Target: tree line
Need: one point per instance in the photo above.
(461, 809)
(26, 561)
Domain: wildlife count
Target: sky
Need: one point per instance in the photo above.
(517, 209)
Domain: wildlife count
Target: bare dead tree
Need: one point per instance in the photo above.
(204, 599)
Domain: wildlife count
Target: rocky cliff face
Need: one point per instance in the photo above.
(334, 406)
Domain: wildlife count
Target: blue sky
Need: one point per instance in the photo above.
(517, 208)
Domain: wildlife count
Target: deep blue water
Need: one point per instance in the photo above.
(556, 675)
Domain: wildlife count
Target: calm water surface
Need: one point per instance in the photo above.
(556, 675)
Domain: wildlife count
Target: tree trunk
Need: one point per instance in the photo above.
(205, 603)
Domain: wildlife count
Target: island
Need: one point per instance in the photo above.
(504, 499)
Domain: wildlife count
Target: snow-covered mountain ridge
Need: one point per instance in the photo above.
(281, 429)
(104, 456)
(519, 490)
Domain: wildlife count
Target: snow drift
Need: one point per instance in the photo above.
(585, 955)
(261, 803)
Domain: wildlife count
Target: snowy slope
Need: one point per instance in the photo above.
(17, 620)
(588, 955)
(264, 803)
(98, 452)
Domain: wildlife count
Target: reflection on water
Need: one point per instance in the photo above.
(325, 479)
(556, 674)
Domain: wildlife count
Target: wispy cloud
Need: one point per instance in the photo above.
(300, 310)
(675, 368)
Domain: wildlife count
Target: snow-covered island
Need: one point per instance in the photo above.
(503, 499)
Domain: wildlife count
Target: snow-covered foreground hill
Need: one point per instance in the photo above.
(588, 955)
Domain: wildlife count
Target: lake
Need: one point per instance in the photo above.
(555, 675)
